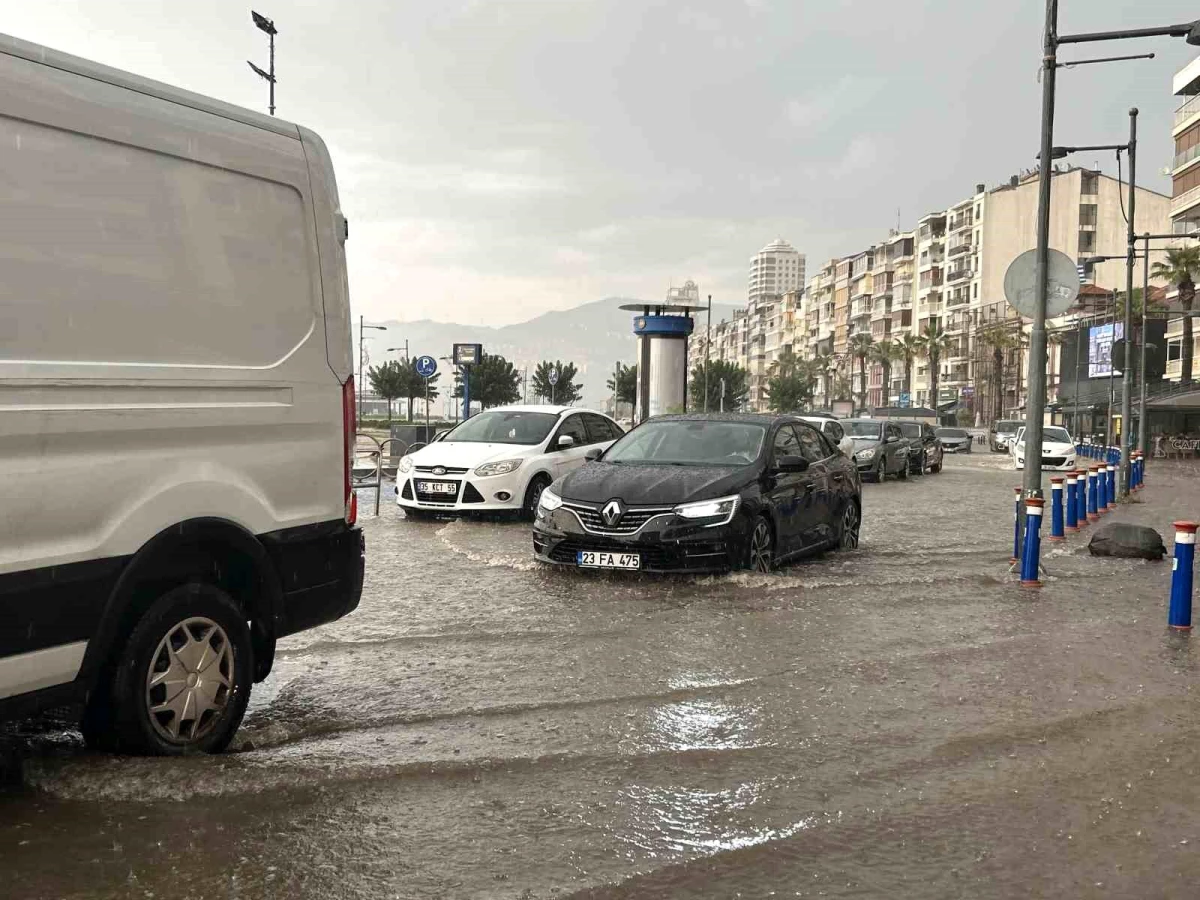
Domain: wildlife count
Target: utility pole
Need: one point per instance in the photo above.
(362, 374)
(707, 351)
(262, 23)
(1142, 417)
(1127, 368)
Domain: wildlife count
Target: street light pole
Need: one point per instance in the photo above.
(362, 376)
(707, 351)
(267, 26)
(1035, 400)
(1142, 417)
(1127, 368)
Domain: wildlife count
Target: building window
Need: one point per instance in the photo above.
(976, 289)
(1087, 214)
(1087, 241)
(1090, 184)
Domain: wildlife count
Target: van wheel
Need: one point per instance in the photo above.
(183, 679)
(533, 496)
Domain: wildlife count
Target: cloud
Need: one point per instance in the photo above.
(861, 154)
(849, 93)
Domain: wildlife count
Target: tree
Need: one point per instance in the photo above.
(1181, 265)
(860, 349)
(885, 352)
(623, 383)
(565, 390)
(934, 342)
(909, 349)
(389, 382)
(791, 383)
(1119, 303)
(493, 382)
(825, 365)
(736, 385)
(414, 384)
(1001, 338)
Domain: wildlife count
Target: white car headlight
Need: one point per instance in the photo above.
(406, 464)
(550, 501)
(722, 508)
(502, 467)
(865, 454)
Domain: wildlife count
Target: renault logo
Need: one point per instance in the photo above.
(612, 512)
(439, 470)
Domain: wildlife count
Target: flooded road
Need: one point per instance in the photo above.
(903, 721)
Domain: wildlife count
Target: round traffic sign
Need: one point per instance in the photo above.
(553, 377)
(426, 366)
(1062, 283)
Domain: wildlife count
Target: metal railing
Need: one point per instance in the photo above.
(1184, 200)
(373, 475)
(1182, 159)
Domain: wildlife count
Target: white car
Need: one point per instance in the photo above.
(1058, 449)
(833, 430)
(501, 459)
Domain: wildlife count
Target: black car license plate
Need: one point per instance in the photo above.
(598, 559)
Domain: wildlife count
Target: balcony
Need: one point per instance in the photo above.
(1187, 156)
(1188, 109)
(958, 274)
(961, 247)
(960, 224)
(1185, 201)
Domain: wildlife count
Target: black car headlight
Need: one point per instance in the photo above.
(722, 509)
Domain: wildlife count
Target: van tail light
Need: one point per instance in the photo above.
(348, 430)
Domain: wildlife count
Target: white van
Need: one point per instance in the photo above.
(176, 401)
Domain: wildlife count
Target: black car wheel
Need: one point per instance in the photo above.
(902, 475)
(851, 521)
(936, 467)
(761, 548)
(533, 496)
(919, 468)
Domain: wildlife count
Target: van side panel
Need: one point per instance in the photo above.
(331, 242)
(162, 331)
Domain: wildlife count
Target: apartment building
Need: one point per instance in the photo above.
(1185, 194)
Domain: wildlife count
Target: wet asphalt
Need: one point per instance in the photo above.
(901, 721)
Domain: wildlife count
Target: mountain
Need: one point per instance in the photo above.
(594, 336)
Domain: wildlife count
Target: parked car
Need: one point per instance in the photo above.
(1058, 449)
(500, 460)
(700, 493)
(879, 448)
(955, 440)
(832, 429)
(925, 450)
(179, 425)
(1002, 435)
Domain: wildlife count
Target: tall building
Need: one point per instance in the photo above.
(1185, 193)
(774, 270)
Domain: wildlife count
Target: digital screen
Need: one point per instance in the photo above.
(467, 354)
(1100, 341)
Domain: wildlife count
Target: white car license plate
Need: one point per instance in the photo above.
(437, 487)
(590, 559)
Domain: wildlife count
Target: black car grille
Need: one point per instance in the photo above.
(1054, 460)
(470, 495)
(439, 499)
(631, 521)
(448, 470)
(406, 491)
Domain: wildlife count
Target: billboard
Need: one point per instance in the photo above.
(1100, 341)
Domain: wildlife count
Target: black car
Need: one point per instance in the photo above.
(955, 440)
(702, 493)
(924, 448)
(879, 448)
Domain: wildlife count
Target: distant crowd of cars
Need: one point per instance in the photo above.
(683, 493)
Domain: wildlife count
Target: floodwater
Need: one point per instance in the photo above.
(903, 721)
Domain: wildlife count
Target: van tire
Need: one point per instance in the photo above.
(203, 617)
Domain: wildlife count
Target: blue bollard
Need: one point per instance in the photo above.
(1112, 485)
(1032, 549)
(1093, 494)
(1081, 518)
(1016, 526)
(1071, 525)
(1102, 488)
(1056, 509)
(1179, 616)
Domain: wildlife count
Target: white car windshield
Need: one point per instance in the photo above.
(504, 427)
(690, 442)
(863, 429)
(1055, 436)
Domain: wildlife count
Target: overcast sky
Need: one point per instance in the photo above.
(498, 159)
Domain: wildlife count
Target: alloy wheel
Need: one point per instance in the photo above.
(190, 680)
(760, 547)
(848, 539)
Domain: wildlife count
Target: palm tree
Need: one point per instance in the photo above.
(824, 365)
(934, 342)
(885, 352)
(1181, 264)
(860, 349)
(909, 348)
(1001, 339)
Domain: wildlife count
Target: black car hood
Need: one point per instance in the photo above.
(600, 482)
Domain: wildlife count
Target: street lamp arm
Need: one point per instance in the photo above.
(1187, 30)
(1103, 59)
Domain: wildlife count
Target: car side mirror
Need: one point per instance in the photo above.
(594, 454)
(892, 439)
(565, 442)
(791, 464)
